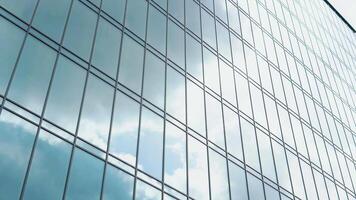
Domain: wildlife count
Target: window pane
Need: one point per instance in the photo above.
(106, 48)
(208, 29)
(153, 88)
(194, 58)
(218, 176)
(281, 166)
(136, 16)
(118, 184)
(21, 8)
(175, 158)
(51, 16)
(16, 141)
(232, 131)
(175, 94)
(85, 177)
(32, 75)
(80, 30)
(227, 83)
(192, 18)
(131, 64)
(198, 170)
(243, 94)
(296, 175)
(176, 9)
(125, 128)
(151, 144)
(223, 41)
(211, 70)
(195, 106)
(271, 193)
(237, 182)
(115, 8)
(258, 105)
(95, 117)
(238, 53)
(254, 187)
(266, 155)
(214, 121)
(11, 39)
(233, 17)
(66, 94)
(156, 31)
(220, 10)
(250, 145)
(146, 192)
(175, 44)
(49, 168)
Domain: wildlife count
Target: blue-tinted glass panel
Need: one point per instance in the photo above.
(175, 94)
(175, 157)
(131, 64)
(223, 41)
(32, 76)
(215, 125)
(115, 8)
(16, 141)
(175, 44)
(194, 58)
(136, 16)
(233, 135)
(254, 187)
(271, 193)
(192, 16)
(106, 49)
(85, 177)
(125, 128)
(10, 39)
(218, 176)
(151, 144)
(198, 169)
(267, 163)
(250, 144)
(95, 117)
(50, 17)
(211, 70)
(66, 94)
(208, 28)
(281, 165)
(156, 30)
(21, 8)
(117, 185)
(176, 9)
(195, 105)
(227, 83)
(220, 10)
(48, 169)
(237, 182)
(153, 88)
(80, 30)
(146, 192)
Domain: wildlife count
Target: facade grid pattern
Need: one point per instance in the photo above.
(176, 99)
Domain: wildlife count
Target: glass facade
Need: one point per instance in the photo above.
(176, 99)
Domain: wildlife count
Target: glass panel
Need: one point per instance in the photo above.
(175, 94)
(308, 181)
(21, 8)
(194, 58)
(234, 22)
(223, 40)
(246, 28)
(209, 4)
(227, 83)
(175, 158)
(175, 44)
(214, 121)
(51, 16)
(281, 166)
(251, 64)
(266, 155)
(258, 105)
(11, 38)
(49, 168)
(243, 94)
(218, 176)
(66, 94)
(255, 187)
(208, 29)
(156, 31)
(117, 185)
(232, 131)
(136, 17)
(296, 175)
(80, 30)
(220, 10)
(151, 144)
(195, 105)
(146, 192)
(125, 128)
(238, 53)
(211, 70)
(130, 72)
(16, 141)
(271, 193)
(153, 88)
(95, 117)
(237, 182)
(85, 177)
(176, 9)
(115, 8)
(198, 170)
(106, 48)
(192, 18)
(250, 145)
(32, 75)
